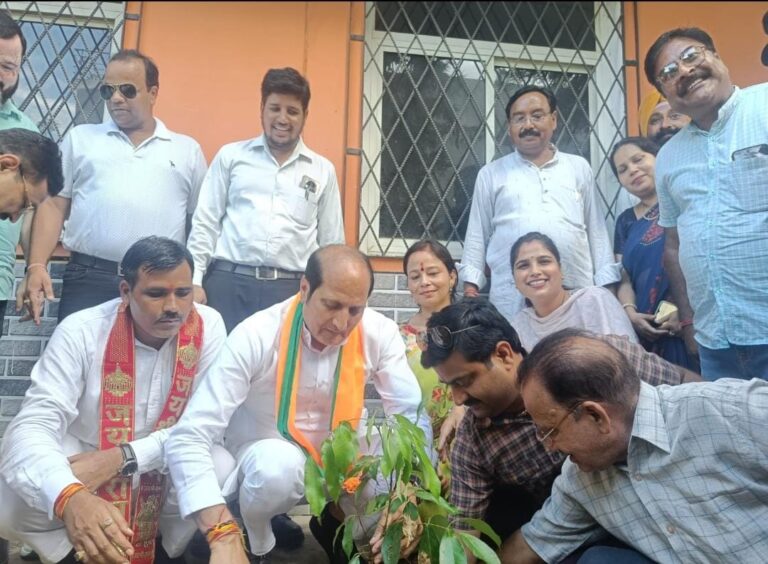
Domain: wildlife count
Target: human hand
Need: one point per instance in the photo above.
(448, 429)
(37, 288)
(24, 312)
(470, 290)
(97, 530)
(97, 467)
(642, 324)
(691, 345)
(198, 295)
(228, 550)
(672, 324)
(412, 531)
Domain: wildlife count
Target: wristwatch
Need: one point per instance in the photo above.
(130, 464)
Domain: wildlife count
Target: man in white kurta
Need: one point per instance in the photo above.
(238, 397)
(535, 188)
(61, 414)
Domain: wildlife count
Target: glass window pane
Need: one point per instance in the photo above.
(433, 144)
(64, 66)
(567, 25)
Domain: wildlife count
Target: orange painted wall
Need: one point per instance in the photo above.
(735, 27)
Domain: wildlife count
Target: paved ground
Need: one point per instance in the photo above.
(309, 553)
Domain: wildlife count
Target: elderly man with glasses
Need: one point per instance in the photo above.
(677, 473)
(712, 181)
(125, 179)
(535, 188)
(502, 464)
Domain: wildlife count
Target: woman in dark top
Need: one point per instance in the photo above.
(639, 245)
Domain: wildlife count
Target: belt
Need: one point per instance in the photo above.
(258, 272)
(96, 262)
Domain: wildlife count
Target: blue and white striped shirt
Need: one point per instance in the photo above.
(694, 487)
(716, 194)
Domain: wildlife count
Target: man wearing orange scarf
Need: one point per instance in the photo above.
(81, 477)
(287, 376)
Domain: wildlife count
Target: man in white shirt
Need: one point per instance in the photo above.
(252, 373)
(125, 179)
(111, 381)
(535, 188)
(266, 204)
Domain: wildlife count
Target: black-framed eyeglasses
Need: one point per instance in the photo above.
(691, 57)
(128, 91)
(535, 118)
(440, 336)
(548, 436)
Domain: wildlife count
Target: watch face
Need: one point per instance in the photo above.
(129, 468)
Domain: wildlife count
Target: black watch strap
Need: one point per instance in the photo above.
(130, 464)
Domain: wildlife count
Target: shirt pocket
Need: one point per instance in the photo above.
(300, 200)
(746, 178)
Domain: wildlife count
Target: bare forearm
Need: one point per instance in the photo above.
(515, 550)
(677, 283)
(26, 232)
(46, 229)
(210, 516)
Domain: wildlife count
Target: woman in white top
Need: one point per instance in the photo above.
(538, 276)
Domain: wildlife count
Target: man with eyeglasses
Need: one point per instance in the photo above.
(712, 181)
(502, 466)
(678, 474)
(125, 179)
(13, 47)
(287, 376)
(535, 188)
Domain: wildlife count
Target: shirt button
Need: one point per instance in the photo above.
(671, 529)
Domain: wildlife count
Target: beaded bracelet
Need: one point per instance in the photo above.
(220, 530)
(64, 497)
(26, 268)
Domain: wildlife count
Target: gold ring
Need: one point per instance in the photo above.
(80, 555)
(106, 523)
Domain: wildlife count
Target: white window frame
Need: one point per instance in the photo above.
(488, 53)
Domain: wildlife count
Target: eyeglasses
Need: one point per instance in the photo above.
(536, 118)
(441, 336)
(691, 57)
(552, 433)
(106, 91)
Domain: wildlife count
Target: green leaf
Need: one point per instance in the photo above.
(483, 527)
(345, 447)
(411, 510)
(482, 551)
(355, 559)
(451, 551)
(434, 529)
(390, 548)
(333, 478)
(429, 477)
(314, 486)
(347, 541)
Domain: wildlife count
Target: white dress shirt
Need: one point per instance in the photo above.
(65, 400)
(121, 193)
(238, 396)
(257, 212)
(513, 197)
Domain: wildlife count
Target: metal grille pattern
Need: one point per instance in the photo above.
(438, 76)
(68, 47)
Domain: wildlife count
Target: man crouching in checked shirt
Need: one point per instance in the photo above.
(82, 472)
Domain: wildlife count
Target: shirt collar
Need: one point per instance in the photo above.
(649, 424)
(550, 162)
(161, 131)
(9, 110)
(300, 150)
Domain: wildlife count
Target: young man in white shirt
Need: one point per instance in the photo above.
(112, 380)
(125, 179)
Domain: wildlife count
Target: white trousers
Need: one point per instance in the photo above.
(271, 482)
(48, 537)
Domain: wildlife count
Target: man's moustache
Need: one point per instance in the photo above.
(685, 83)
(529, 133)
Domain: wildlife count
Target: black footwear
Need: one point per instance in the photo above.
(288, 534)
(27, 554)
(161, 556)
(324, 531)
(198, 551)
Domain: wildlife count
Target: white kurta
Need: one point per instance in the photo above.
(238, 396)
(60, 414)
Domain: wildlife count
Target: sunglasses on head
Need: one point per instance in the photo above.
(128, 91)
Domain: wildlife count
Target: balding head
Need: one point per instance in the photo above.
(574, 366)
(335, 290)
(337, 260)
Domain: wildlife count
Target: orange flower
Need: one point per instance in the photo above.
(437, 393)
(351, 484)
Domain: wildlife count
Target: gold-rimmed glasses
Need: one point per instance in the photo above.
(550, 435)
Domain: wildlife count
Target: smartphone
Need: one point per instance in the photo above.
(664, 311)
